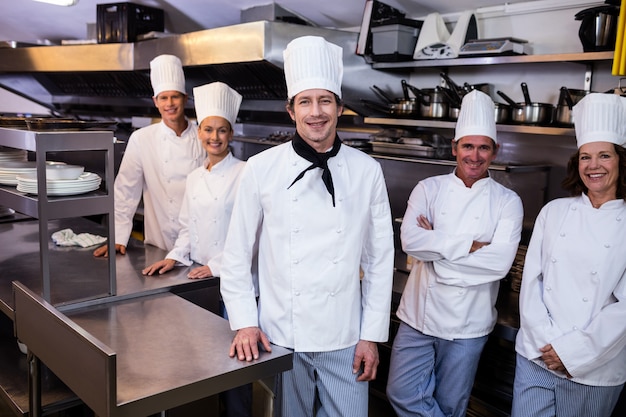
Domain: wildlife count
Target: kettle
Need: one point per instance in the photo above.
(598, 27)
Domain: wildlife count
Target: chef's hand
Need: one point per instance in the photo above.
(246, 344)
(365, 360)
(477, 245)
(160, 266)
(552, 360)
(423, 222)
(104, 250)
(200, 272)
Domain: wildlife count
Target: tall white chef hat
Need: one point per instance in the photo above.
(312, 62)
(216, 99)
(476, 117)
(600, 117)
(166, 74)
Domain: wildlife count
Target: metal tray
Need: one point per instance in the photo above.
(403, 149)
(48, 124)
(8, 121)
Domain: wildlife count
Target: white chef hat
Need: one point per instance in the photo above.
(216, 99)
(166, 74)
(311, 62)
(476, 117)
(600, 117)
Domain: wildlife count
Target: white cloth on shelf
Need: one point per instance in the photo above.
(67, 237)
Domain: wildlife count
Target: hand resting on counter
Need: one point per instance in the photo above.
(245, 344)
(167, 264)
(104, 250)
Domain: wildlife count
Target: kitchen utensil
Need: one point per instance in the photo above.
(527, 112)
(382, 94)
(433, 103)
(598, 27)
(567, 99)
(502, 113)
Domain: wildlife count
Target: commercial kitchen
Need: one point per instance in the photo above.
(96, 330)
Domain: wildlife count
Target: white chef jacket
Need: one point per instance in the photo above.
(310, 296)
(156, 163)
(573, 292)
(205, 213)
(451, 293)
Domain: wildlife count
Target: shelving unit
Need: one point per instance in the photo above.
(586, 58)
(44, 207)
(443, 124)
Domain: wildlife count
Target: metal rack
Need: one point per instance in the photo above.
(585, 58)
(44, 207)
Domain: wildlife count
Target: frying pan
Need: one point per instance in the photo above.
(402, 107)
(529, 112)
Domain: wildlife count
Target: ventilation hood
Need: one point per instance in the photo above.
(113, 79)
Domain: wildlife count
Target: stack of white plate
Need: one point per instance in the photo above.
(12, 154)
(9, 170)
(88, 181)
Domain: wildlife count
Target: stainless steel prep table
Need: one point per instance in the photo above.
(140, 356)
(78, 278)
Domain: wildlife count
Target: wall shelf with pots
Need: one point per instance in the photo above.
(443, 124)
(584, 58)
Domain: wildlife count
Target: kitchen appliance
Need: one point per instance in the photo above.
(436, 42)
(495, 46)
(394, 39)
(598, 27)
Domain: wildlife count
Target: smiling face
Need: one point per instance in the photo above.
(215, 133)
(316, 113)
(598, 167)
(473, 155)
(171, 106)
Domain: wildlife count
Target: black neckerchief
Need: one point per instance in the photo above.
(318, 160)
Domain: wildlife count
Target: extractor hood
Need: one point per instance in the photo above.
(113, 79)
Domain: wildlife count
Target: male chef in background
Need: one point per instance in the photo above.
(156, 162)
(463, 229)
(320, 211)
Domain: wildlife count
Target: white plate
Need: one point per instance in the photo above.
(59, 192)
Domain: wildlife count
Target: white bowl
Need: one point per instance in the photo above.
(63, 172)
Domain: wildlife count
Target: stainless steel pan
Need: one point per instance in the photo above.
(528, 112)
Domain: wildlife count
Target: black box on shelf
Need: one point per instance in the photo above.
(122, 22)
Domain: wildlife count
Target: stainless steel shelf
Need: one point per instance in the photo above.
(442, 124)
(582, 58)
(44, 207)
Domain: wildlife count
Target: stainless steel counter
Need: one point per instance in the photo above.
(79, 281)
(77, 277)
(147, 354)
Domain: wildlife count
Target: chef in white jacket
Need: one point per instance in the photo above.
(156, 163)
(320, 212)
(571, 346)
(210, 191)
(463, 229)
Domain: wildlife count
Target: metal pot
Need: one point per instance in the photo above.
(527, 112)
(433, 102)
(502, 113)
(400, 107)
(567, 99)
